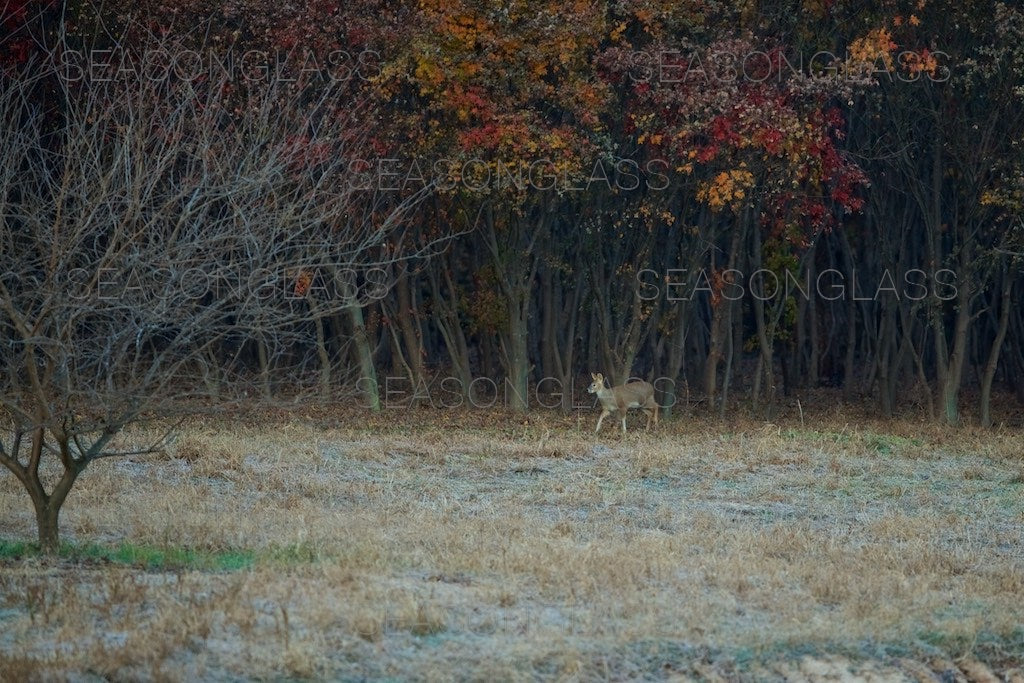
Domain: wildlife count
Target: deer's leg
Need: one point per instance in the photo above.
(604, 413)
(651, 408)
(623, 413)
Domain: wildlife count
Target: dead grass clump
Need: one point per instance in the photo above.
(19, 667)
(383, 614)
(974, 473)
(209, 455)
(305, 659)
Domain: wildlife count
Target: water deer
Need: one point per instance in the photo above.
(622, 398)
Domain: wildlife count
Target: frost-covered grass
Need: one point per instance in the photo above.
(438, 545)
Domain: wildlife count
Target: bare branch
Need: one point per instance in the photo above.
(154, 230)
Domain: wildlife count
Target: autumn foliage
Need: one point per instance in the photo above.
(576, 147)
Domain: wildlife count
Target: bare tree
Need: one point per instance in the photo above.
(146, 224)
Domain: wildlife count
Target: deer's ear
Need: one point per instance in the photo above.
(593, 376)
(599, 377)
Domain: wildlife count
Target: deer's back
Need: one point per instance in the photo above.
(634, 394)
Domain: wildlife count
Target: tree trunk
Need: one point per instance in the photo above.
(448, 323)
(993, 355)
(730, 359)
(883, 360)
(548, 336)
(47, 515)
(721, 316)
(814, 361)
(411, 337)
(367, 372)
(954, 370)
(1015, 357)
(512, 250)
(325, 359)
(850, 357)
(517, 363)
(677, 352)
(47, 506)
(263, 357)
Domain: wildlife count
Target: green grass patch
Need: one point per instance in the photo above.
(882, 444)
(297, 553)
(14, 550)
(888, 444)
(985, 644)
(816, 436)
(157, 558)
(151, 558)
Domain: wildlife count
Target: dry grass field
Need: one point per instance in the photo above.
(442, 545)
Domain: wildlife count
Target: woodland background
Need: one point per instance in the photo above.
(545, 189)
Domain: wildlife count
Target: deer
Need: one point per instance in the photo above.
(620, 399)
